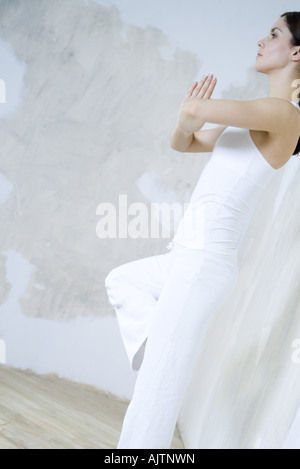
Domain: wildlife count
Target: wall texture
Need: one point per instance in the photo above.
(97, 105)
(99, 102)
(92, 121)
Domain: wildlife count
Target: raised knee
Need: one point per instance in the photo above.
(114, 283)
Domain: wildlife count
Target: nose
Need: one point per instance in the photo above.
(260, 43)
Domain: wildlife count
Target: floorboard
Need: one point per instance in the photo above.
(45, 412)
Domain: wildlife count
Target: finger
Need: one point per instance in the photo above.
(194, 85)
(210, 88)
(206, 86)
(199, 86)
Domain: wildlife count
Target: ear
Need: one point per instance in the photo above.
(296, 54)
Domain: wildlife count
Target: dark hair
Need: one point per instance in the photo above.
(292, 19)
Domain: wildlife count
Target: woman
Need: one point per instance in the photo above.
(164, 303)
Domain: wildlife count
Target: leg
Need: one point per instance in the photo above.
(198, 284)
(133, 290)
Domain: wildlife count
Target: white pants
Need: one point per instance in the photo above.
(164, 304)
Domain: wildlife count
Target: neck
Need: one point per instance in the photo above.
(281, 86)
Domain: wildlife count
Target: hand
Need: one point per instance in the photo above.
(200, 90)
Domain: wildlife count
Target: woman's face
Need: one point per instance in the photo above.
(275, 50)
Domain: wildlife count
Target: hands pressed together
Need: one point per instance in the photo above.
(183, 134)
(199, 90)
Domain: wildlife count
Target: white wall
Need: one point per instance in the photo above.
(74, 134)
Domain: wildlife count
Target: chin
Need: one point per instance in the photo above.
(260, 69)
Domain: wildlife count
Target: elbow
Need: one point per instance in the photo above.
(176, 147)
(177, 143)
(173, 143)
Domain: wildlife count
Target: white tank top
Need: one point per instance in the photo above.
(226, 195)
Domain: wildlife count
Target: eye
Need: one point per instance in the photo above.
(273, 35)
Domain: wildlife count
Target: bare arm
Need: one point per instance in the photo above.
(202, 141)
(184, 140)
(274, 115)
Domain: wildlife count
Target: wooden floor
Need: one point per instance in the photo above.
(44, 412)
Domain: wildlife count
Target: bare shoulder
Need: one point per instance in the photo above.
(278, 105)
(278, 147)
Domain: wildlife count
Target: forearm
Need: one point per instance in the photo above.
(188, 122)
(189, 119)
(181, 140)
(183, 135)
